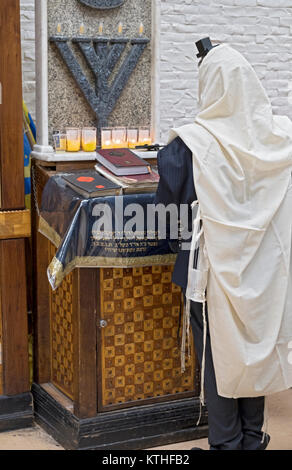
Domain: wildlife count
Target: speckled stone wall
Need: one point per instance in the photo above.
(67, 105)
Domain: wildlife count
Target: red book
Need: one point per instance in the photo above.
(89, 184)
(122, 162)
(132, 183)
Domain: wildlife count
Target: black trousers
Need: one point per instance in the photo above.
(234, 424)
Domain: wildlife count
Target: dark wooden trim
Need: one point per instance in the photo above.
(42, 343)
(137, 428)
(11, 140)
(84, 334)
(145, 401)
(16, 412)
(14, 316)
(41, 297)
(99, 348)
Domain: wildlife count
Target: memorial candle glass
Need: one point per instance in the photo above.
(119, 139)
(60, 141)
(73, 139)
(144, 135)
(132, 137)
(106, 137)
(89, 139)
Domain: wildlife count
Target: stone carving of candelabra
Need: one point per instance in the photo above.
(101, 55)
(102, 4)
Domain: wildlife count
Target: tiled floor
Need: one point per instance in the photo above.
(279, 427)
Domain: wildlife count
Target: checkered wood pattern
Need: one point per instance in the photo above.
(140, 354)
(62, 334)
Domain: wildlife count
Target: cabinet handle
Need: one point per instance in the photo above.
(103, 323)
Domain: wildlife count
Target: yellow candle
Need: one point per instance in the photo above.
(88, 146)
(89, 139)
(119, 137)
(132, 137)
(100, 28)
(63, 142)
(59, 28)
(120, 27)
(107, 144)
(144, 136)
(141, 29)
(81, 29)
(118, 144)
(106, 138)
(145, 142)
(73, 139)
(73, 145)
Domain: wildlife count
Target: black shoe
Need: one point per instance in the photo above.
(265, 444)
(196, 448)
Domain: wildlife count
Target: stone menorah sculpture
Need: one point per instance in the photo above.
(101, 55)
(102, 4)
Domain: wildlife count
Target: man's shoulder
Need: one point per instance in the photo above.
(176, 146)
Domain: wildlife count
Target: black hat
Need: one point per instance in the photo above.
(204, 46)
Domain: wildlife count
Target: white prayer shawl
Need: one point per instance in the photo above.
(242, 162)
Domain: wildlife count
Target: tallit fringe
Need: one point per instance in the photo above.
(185, 335)
(186, 341)
(202, 393)
(198, 294)
(266, 420)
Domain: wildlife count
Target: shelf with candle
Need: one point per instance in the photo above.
(74, 145)
(122, 137)
(88, 139)
(106, 137)
(73, 139)
(132, 137)
(144, 136)
(119, 137)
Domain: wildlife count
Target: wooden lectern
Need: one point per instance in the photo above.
(107, 360)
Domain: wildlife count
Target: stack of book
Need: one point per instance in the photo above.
(125, 168)
(118, 171)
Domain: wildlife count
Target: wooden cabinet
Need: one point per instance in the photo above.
(15, 398)
(107, 358)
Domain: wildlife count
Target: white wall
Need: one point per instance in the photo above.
(259, 29)
(28, 53)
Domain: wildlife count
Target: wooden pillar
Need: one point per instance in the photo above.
(11, 137)
(15, 398)
(14, 317)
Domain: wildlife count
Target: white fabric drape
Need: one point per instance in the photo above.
(242, 161)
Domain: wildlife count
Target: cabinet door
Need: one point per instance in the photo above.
(11, 136)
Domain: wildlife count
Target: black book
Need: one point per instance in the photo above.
(90, 184)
